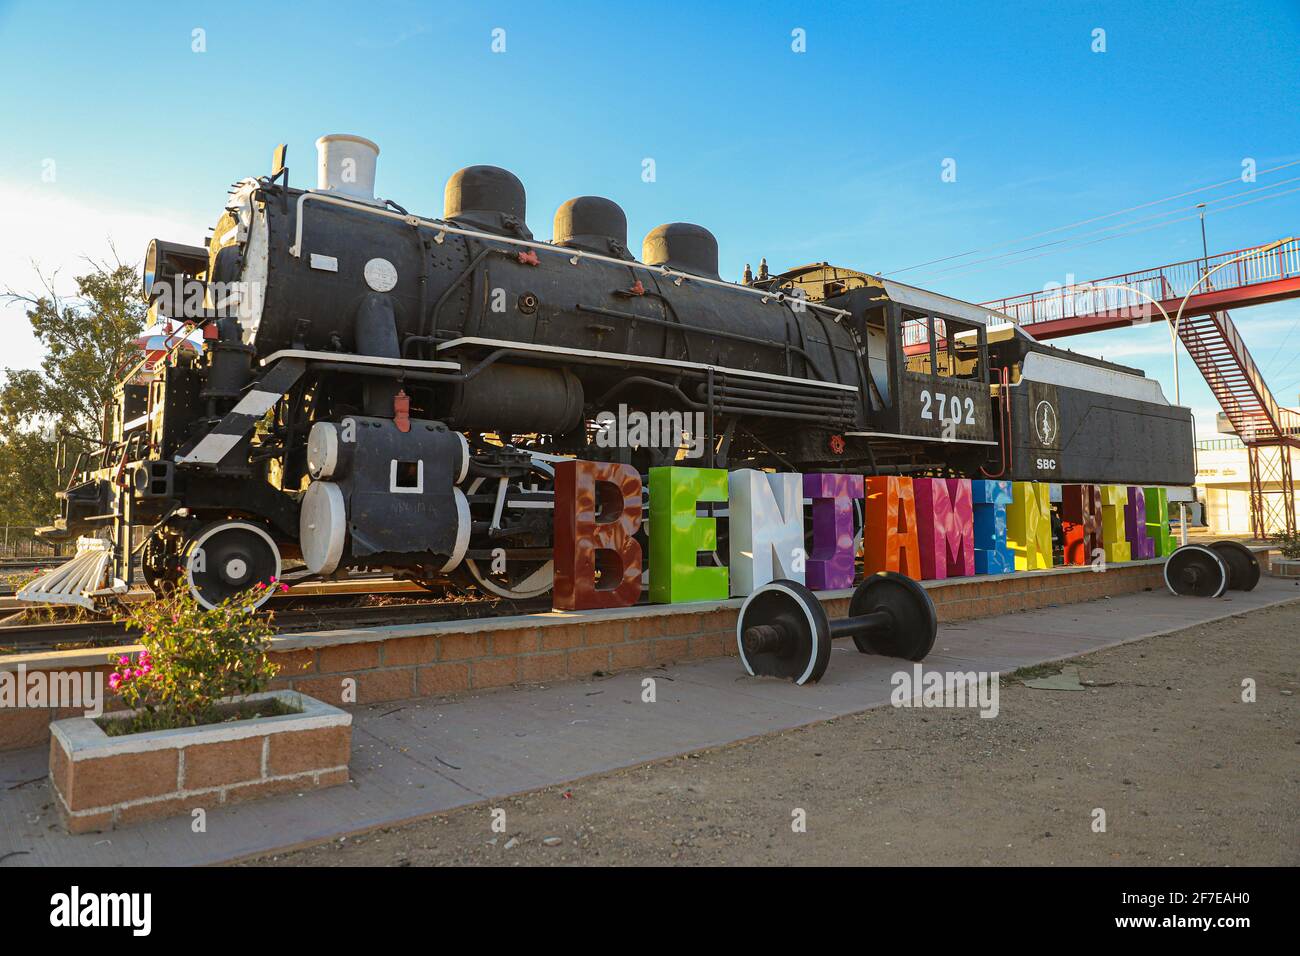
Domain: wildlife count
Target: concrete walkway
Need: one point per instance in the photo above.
(418, 758)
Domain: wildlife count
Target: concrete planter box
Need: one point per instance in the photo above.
(101, 782)
(1284, 567)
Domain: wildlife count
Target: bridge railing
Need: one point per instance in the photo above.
(1098, 297)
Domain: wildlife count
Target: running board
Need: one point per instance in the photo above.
(78, 581)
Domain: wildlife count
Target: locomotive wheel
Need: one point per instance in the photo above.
(158, 565)
(1196, 571)
(915, 624)
(782, 631)
(1243, 566)
(227, 557)
(529, 580)
(521, 579)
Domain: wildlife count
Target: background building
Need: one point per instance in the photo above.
(1223, 482)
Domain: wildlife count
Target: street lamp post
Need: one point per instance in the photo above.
(1205, 248)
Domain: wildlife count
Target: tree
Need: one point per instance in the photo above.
(88, 339)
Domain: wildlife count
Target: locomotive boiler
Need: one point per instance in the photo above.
(379, 389)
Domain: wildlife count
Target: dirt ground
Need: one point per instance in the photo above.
(1186, 772)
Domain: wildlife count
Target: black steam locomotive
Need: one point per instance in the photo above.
(383, 390)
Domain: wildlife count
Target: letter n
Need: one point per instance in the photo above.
(765, 528)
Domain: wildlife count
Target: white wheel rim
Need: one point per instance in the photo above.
(216, 529)
(1223, 585)
(535, 585)
(812, 628)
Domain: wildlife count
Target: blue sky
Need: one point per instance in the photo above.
(835, 153)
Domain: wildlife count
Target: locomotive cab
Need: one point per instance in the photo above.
(926, 365)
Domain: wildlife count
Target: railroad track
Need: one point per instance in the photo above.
(11, 568)
(30, 638)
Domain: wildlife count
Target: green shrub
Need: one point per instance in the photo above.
(1288, 544)
(193, 658)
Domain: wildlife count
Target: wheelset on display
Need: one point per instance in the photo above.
(1208, 570)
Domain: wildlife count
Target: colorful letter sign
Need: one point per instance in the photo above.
(1081, 522)
(889, 541)
(925, 528)
(1029, 525)
(1135, 525)
(1113, 500)
(597, 515)
(765, 528)
(1157, 504)
(989, 500)
(945, 526)
(677, 536)
(831, 564)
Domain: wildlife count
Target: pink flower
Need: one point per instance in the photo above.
(284, 588)
(124, 660)
(114, 680)
(272, 579)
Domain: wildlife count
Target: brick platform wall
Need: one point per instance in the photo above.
(412, 660)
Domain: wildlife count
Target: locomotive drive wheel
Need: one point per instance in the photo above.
(1243, 566)
(782, 631)
(227, 557)
(915, 624)
(522, 578)
(1196, 571)
(521, 581)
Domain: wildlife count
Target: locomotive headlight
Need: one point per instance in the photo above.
(164, 260)
(150, 269)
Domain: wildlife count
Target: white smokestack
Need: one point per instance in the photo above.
(346, 165)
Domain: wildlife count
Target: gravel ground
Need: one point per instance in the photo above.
(1186, 772)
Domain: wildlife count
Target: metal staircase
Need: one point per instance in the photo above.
(1268, 430)
(1229, 369)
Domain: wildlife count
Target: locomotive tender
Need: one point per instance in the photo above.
(384, 390)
